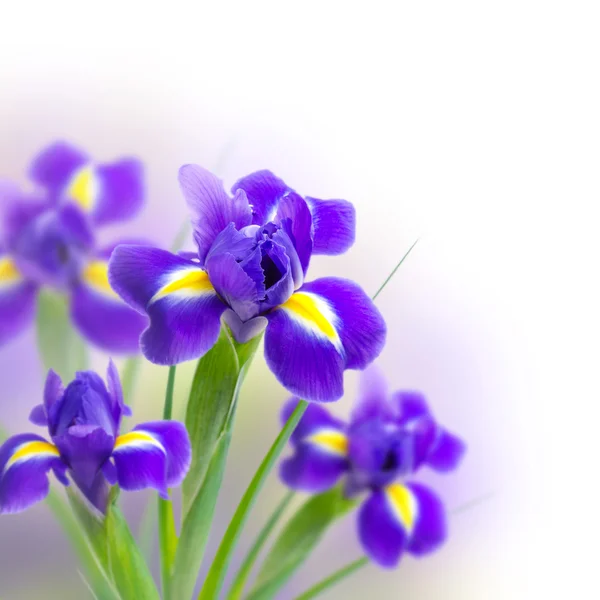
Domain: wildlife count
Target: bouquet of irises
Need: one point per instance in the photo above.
(244, 287)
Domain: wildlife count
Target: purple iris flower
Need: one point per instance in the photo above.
(84, 421)
(388, 438)
(253, 253)
(48, 239)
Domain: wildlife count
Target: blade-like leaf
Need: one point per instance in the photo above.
(128, 567)
(298, 539)
(60, 346)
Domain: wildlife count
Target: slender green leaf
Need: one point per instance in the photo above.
(128, 567)
(237, 587)
(216, 574)
(60, 346)
(298, 539)
(389, 277)
(336, 577)
(197, 524)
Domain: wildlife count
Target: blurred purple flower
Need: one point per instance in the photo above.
(253, 253)
(388, 438)
(48, 239)
(83, 421)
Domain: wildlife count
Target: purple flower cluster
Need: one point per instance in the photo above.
(83, 422)
(388, 438)
(48, 239)
(253, 252)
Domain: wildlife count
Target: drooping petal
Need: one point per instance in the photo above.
(412, 405)
(385, 524)
(54, 166)
(315, 418)
(329, 325)
(334, 224)
(156, 455)
(25, 461)
(430, 527)
(101, 315)
(447, 452)
(176, 294)
(212, 209)
(17, 300)
(373, 401)
(294, 216)
(263, 190)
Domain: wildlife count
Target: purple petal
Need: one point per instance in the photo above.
(155, 455)
(101, 316)
(447, 453)
(263, 191)
(212, 209)
(19, 211)
(334, 225)
(315, 417)
(373, 400)
(55, 165)
(38, 416)
(53, 396)
(25, 461)
(244, 331)
(17, 300)
(383, 535)
(275, 259)
(311, 469)
(430, 528)
(121, 191)
(294, 216)
(360, 326)
(412, 405)
(115, 391)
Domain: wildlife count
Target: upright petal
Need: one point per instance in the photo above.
(55, 165)
(17, 300)
(295, 218)
(115, 390)
(101, 315)
(212, 209)
(430, 528)
(263, 190)
(156, 455)
(176, 294)
(328, 326)
(25, 461)
(373, 400)
(447, 452)
(334, 225)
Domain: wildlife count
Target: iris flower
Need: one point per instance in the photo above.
(253, 252)
(83, 422)
(48, 239)
(388, 438)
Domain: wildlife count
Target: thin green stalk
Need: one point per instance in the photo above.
(330, 581)
(389, 277)
(214, 580)
(237, 588)
(167, 534)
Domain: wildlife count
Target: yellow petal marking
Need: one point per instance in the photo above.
(32, 450)
(306, 307)
(137, 438)
(83, 188)
(403, 504)
(96, 275)
(8, 271)
(331, 440)
(191, 281)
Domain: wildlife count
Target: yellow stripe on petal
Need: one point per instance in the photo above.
(83, 188)
(189, 283)
(95, 274)
(403, 503)
(29, 450)
(330, 440)
(137, 439)
(314, 313)
(8, 272)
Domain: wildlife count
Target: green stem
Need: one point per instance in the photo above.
(216, 574)
(336, 577)
(389, 277)
(237, 587)
(167, 534)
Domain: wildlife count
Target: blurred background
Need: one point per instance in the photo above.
(471, 126)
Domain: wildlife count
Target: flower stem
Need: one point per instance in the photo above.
(336, 577)
(237, 587)
(389, 277)
(214, 580)
(167, 534)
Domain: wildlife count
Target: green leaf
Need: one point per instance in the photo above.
(60, 346)
(128, 567)
(298, 539)
(197, 524)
